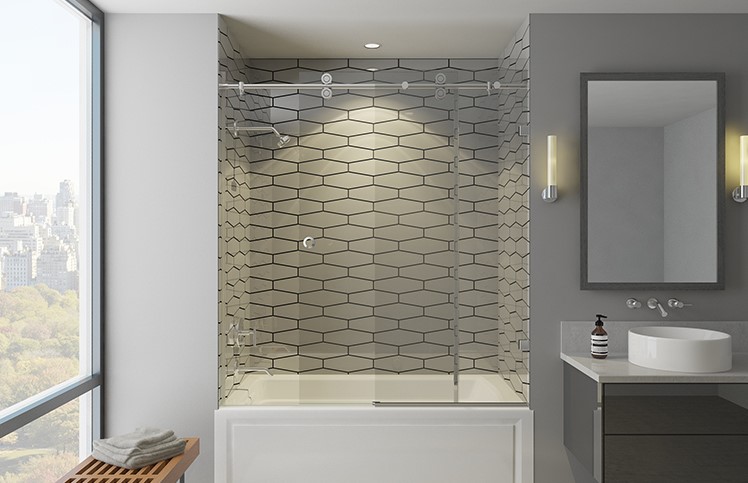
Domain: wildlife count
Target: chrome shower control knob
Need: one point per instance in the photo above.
(440, 78)
(441, 93)
(326, 93)
(308, 242)
(326, 78)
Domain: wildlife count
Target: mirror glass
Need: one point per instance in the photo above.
(651, 181)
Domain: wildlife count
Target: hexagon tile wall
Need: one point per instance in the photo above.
(369, 174)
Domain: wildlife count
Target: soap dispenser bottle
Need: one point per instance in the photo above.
(599, 339)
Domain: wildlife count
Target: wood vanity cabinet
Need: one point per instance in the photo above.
(645, 433)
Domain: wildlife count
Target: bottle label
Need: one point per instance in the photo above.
(599, 345)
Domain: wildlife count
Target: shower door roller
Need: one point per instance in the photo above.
(308, 242)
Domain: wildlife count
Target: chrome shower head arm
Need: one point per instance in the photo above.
(283, 139)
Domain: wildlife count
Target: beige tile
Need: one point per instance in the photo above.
(348, 364)
(349, 311)
(348, 127)
(398, 364)
(397, 311)
(323, 324)
(348, 233)
(373, 115)
(424, 324)
(349, 337)
(373, 141)
(348, 285)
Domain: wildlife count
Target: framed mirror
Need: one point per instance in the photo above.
(652, 181)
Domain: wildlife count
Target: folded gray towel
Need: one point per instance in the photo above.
(105, 446)
(139, 460)
(140, 438)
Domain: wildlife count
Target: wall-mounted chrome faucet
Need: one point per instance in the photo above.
(653, 304)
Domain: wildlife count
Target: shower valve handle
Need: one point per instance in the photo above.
(308, 242)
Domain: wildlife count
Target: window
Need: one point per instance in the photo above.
(50, 236)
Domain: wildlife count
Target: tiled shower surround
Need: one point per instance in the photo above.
(369, 174)
(514, 213)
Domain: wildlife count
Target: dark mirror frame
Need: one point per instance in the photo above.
(719, 77)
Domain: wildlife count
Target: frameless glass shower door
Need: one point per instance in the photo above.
(373, 254)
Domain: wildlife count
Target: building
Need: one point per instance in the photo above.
(19, 232)
(40, 209)
(12, 203)
(18, 270)
(66, 205)
(56, 266)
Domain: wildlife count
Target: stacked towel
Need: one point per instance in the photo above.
(142, 447)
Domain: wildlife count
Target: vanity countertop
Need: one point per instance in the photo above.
(617, 369)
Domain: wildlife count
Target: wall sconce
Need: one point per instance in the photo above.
(550, 192)
(740, 194)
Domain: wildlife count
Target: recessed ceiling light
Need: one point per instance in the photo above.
(372, 45)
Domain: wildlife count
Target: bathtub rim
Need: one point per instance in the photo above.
(506, 395)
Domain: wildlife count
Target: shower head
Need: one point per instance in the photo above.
(283, 139)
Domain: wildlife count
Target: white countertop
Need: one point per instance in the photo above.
(617, 369)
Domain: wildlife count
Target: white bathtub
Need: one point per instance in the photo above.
(324, 428)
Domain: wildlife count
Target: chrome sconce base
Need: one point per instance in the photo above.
(740, 194)
(550, 193)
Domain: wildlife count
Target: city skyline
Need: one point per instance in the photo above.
(39, 239)
(29, 196)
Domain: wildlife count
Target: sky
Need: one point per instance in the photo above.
(40, 114)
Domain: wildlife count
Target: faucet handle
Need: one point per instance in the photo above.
(632, 303)
(677, 304)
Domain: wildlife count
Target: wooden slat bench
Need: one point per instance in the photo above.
(172, 470)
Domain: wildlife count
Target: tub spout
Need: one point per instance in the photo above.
(655, 305)
(248, 370)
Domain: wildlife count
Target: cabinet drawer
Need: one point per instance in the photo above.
(681, 459)
(652, 415)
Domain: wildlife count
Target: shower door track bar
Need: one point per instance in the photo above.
(404, 86)
(447, 404)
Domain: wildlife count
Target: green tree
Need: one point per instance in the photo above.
(42, 469)
(39, 337)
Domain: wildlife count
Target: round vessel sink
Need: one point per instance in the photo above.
(680, 349)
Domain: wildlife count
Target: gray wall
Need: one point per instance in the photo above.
(562, 47)
(627, 227)
(690, 206)
(161, 240)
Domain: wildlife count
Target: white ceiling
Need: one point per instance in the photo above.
(405, 28)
